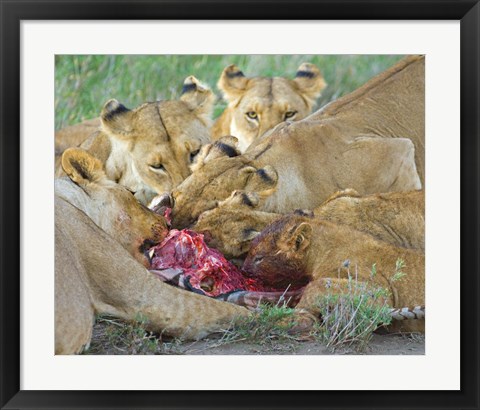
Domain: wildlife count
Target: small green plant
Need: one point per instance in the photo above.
(351, 314)
(268, 325)
(399, 274)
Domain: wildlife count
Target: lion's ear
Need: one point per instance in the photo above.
(263, 180)
(116, 117)
(81, 167)
(349, 192)
(242, 198)
(250, 234)
(199, 98)
(232, 83)
(309, 81)
(224, 147)
(304, 212)
(299, 238)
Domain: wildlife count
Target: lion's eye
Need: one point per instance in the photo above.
(157, 167)
(257, 259)
(290, 114)
(193, 154)
(252, 114)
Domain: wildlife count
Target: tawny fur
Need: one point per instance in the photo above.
(371, 140)
(397, 218)
(234, 223)
(149, 149)
(269, 100)
(302, 249)
(99, 232)
(201, 191)
(74, 135)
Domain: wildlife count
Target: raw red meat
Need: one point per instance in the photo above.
(206, 269)
(167, 214)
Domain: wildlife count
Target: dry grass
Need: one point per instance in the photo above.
(350, 317)
(115, 337)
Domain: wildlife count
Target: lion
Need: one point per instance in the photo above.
(102, 238)
(74, 135)
(204, 191)
(397, 218)
(150, 149)
(234, 223)
(301, 251)
(373, 143)
(257, 104)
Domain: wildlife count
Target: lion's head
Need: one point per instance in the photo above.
(280, 254)
(257, 104)
(150, 149)
(111, 206)
(232, 225)
(218, 172)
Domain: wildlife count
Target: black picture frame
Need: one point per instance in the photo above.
(13, 12)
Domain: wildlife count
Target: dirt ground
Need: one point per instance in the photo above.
(109, 338)
(379, 345)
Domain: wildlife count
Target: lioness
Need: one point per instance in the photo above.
(150, 149)
(299, 250)
(95, 274)
(234, 223)
(396, 217)
(257, 104)
(74, 135)
(366, 146)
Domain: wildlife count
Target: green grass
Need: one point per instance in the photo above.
(84, 83)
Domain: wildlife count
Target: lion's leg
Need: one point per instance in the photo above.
(74, 312)
(126, 289)
(74, 318)
(322, 287)
(333, 286)
(164, 308)
(315, 290)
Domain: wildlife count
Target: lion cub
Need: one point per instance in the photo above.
(257, 104)
(299, 250)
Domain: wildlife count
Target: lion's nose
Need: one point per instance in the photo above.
(161, 201)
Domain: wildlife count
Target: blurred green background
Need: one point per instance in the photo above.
(84, 83)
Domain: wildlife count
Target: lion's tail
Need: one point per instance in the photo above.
(406, 313)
